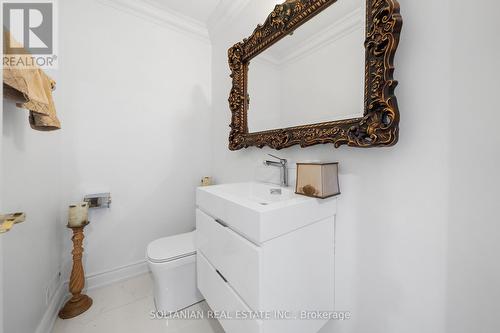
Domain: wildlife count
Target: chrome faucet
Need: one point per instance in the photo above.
(283, 165)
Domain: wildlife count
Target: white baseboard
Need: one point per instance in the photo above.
(50, 316)
(104, 278)
(93, 281)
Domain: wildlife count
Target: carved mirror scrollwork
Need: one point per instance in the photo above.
(377, 126)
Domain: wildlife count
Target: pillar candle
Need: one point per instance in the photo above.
(78, 214)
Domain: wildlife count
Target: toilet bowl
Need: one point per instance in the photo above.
(172, 261)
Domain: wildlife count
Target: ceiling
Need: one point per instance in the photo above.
(199, 10)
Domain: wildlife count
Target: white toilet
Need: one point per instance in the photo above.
(172, 261)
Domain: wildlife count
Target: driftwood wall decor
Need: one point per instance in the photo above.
(380, 124)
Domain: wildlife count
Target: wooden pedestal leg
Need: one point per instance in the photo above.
(79, 303)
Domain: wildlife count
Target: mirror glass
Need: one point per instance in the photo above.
(314, 75)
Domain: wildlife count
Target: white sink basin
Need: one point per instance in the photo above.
(259, 212)
(256, 193)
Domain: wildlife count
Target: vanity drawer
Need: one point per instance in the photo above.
(222, 298)
(235, 257)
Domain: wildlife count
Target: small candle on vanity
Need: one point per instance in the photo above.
(78, 214)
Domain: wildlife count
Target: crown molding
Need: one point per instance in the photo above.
(151, 12)
(224, 14)
(346, 25)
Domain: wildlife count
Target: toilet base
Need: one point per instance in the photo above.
(175, 286)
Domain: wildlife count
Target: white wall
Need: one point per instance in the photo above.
(136, 97)
(31, 163)
(392, 222)
(473, 279)
(417, 230)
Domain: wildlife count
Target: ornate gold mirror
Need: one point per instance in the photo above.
(329, 81)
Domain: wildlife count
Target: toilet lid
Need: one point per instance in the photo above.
(170, 248)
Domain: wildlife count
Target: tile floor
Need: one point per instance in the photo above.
(126, 307)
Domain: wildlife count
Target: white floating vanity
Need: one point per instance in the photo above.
(265, 255)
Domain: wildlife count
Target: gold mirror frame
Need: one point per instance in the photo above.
(380, 124)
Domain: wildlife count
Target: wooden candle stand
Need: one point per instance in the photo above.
(79, 303)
